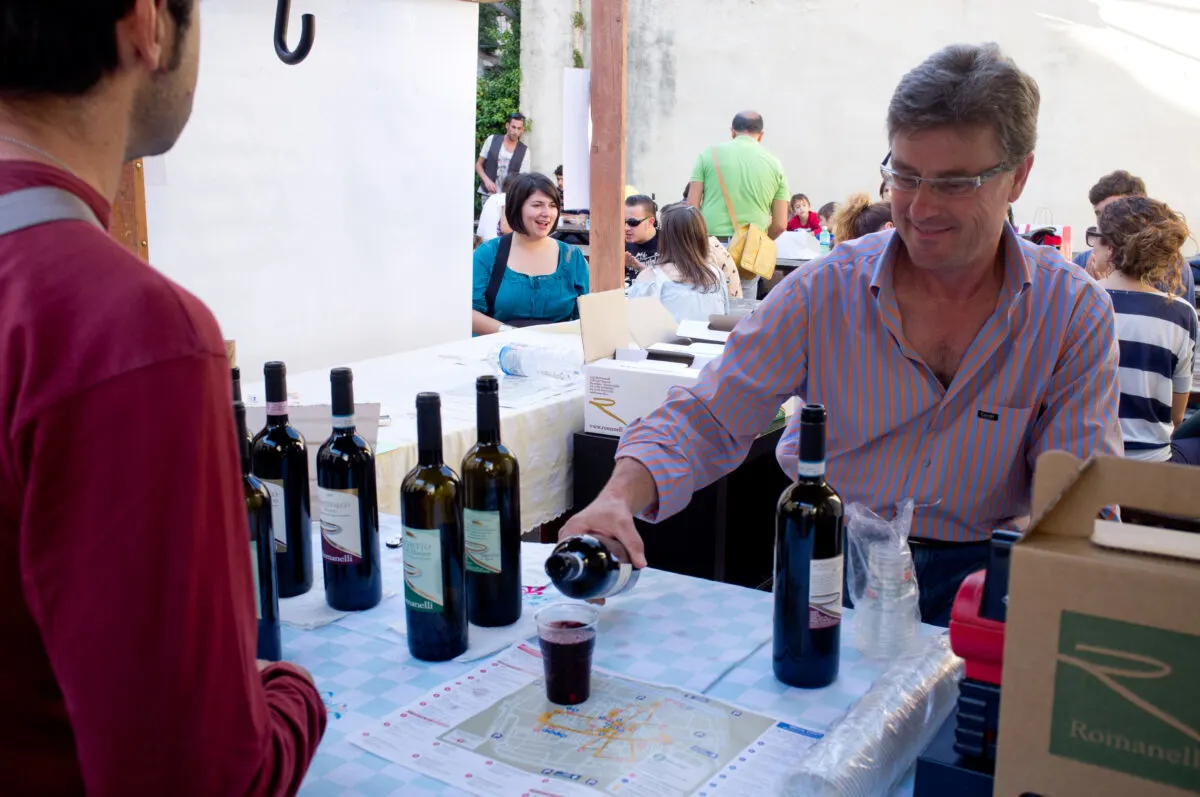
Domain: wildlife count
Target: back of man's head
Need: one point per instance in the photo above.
(748, 123)
(63, 48)
(1117, 184)
(55, 50)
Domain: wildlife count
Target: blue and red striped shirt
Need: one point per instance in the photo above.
(1040, 375)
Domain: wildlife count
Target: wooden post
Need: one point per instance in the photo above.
(129, 211)
(610, 33)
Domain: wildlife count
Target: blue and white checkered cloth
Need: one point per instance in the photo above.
(698, 635)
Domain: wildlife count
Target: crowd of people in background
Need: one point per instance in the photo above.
(678, 255)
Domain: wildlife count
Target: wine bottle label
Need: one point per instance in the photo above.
(483, 541)
(277, 408)
(810, 469)
(341, 526)
(825, 593)
(257, 587)
(343, 421)
(423, 570)
(278, 513)
(624, 573)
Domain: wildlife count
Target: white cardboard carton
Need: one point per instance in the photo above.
(623, 343)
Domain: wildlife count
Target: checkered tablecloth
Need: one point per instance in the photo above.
(671, 629)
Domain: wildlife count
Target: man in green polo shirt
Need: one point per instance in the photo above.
(754, 178)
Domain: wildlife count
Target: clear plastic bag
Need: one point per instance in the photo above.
(882, 581)
(868, 751)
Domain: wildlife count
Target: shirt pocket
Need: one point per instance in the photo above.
(985, 460)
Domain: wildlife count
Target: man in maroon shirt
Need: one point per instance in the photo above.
(127, 623)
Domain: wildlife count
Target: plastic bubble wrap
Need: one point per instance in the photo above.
(868, 750)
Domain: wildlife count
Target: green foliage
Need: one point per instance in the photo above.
(577, 59)
(498, 91)
(577, 20)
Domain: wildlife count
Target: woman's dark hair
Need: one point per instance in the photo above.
(1145, 236)
(64, 47)
(525, 186)
(859, 216)
(683, 242)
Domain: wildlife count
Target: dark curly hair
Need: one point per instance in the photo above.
(1145, 236)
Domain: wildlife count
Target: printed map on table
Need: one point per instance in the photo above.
(625, 731)
(493, 732)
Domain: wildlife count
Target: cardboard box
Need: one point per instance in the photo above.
(1101, 684)
(631, 359)
(618, 392)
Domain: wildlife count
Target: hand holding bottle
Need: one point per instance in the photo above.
(630, 490)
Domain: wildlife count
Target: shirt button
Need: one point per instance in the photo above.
(926, 462)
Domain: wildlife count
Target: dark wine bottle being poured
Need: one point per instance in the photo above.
(588, 568)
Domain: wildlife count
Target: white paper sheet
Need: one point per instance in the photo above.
(577, 139)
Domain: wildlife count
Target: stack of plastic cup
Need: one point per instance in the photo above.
(887, 617)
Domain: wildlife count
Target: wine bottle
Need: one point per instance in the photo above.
(280, 461)
(237, 391)
(588, 568)
(808, 567)
(349, 507)
(491, 517)
(435, 597)
(262, 548)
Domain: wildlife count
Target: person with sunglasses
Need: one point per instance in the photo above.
(641, 234)
(1108, 189)
(948, 352)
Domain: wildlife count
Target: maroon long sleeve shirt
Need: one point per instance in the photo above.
(127, 623)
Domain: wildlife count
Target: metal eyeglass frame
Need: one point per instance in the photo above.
(958, 186)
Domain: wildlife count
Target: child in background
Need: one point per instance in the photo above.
(825, 216)
(802, 216)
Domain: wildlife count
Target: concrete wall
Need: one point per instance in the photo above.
(323, 211)
(1120, 84)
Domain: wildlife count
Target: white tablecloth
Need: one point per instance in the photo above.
(538, 416)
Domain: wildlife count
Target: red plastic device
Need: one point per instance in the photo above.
(977, 640)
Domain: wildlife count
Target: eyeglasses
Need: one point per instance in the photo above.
(946, 186)
(1095, 237)
(631, 223)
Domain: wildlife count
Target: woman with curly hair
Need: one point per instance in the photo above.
(859, 216)
(1136, 243)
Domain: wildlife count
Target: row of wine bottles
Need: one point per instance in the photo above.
(462, 538)
(275, 483)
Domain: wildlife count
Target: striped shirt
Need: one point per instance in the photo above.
(1157, 335)
(1040, 375)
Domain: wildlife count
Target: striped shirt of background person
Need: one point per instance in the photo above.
(1157, 335)
(1040, 375)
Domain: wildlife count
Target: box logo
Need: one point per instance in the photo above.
(1127, 698)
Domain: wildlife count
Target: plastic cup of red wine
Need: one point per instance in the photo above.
(567, 633)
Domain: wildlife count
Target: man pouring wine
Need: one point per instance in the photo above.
(948, 352)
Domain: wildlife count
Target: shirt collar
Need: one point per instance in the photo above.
(1018, 271)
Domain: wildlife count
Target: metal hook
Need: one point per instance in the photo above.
(308, 31)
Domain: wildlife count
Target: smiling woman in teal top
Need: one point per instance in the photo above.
(543, 278)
